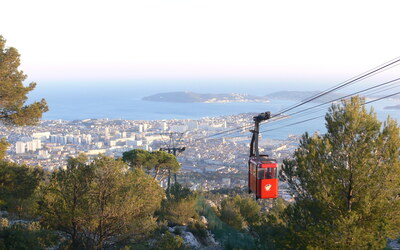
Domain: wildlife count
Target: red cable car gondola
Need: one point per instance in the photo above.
(262, 181)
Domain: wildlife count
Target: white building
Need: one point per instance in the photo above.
(87, 139)
(41, 136)
(140, 128)
(34, 145)
(70, 139)
(106, 132)
(43, 154)
(163, 126)
(20, 147)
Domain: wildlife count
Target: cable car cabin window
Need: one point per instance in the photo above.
(266, 173)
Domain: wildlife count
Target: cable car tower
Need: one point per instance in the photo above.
(172, 148)
(262, 174)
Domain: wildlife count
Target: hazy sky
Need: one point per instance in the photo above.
(283, 41)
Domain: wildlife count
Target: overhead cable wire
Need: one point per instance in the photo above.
(349, 82)
(375, 88)
(342, 85)
(310, 119)
(368, 102)
(347, 96)
(321, 106)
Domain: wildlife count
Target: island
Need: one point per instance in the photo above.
(191, 97)
(393, 107)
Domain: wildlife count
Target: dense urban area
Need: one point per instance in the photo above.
(206, 164)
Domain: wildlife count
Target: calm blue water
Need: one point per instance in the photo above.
(121, 101)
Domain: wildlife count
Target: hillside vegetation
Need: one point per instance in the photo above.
(345, 185)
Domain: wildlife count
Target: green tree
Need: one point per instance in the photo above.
(180, 207)
(102, 203)
(13, 94)
(170, 241)
(27, 236)
(157, 163)
(230, 214)
(178, 192)
(65, 201)
(271, 227)
(138, 158)
(346, 182)
(122, 202)
(165, 163)
(3, 148)
(240, 212)
(17, 186)
(249, 209)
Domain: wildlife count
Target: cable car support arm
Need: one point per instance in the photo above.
(254, 139)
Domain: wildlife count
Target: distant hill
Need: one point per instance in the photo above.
(301, 95)
(393, 107)
(190, 97)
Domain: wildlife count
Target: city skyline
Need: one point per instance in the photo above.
(261, 41)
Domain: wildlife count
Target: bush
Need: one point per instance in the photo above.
(180, 207)
(178, 212)
(170, 242)
(199, 230)
(20, 236)
(101, 204)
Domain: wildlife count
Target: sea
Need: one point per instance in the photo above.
(123, 101)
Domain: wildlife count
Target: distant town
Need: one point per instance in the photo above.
(207, 164)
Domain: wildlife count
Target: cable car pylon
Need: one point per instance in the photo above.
(172, 149)
(262, 173)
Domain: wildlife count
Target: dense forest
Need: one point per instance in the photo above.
(345, 186)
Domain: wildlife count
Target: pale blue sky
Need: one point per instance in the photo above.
(274, 41)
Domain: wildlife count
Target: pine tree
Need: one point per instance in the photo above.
(346, 183)
(17, 187)
(100, 205)
(157, 163)
(13, 94)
